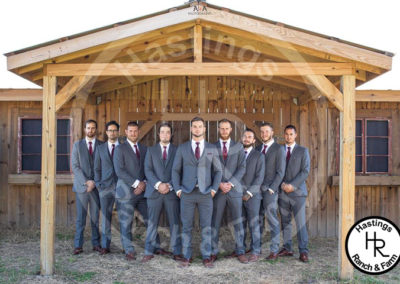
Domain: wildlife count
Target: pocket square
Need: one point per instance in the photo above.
(209, 153)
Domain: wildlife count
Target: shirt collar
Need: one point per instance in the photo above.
(110, 144)
(228, 142)
(269, 143)
(93, 141)
(291, 147)
(131, 143)
(162, 146)
(201, 142)
(249, 149)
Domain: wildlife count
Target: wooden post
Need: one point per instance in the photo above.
(347, 172)
(198, 43)
(48, 185)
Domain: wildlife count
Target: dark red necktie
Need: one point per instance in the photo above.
(164, 153)
(288, 154)
(90, 148)
(224, 151)
(197, 151)
(265, 149)
(137, 152)
(112, 150)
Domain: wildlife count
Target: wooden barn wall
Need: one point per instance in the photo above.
(316, 121)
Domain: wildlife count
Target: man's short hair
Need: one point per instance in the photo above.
(165, 124)
(225, 120)
(197, 118)
(267, 124)
(250, 130)
(290, 126)
(112, 122)
(91, 121)
(132, 123)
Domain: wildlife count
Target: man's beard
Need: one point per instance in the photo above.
(198, 135)
(247, 145)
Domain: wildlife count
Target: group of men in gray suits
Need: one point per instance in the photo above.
(250, 182)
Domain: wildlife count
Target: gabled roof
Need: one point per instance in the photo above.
(272, 40)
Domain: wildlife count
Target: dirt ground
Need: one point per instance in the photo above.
(19, 263)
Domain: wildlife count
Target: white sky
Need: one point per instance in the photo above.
(368, 22)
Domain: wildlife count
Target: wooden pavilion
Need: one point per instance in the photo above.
(203, 60)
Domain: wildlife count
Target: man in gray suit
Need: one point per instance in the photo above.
(129, 166)
(251, 184)
(159, 193)
(87, 195)
(230, 191)
(196, 175)
(293, 194)
(274, 171)
(106, 181)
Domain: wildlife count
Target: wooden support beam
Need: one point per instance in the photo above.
(198, 43)
(21, 95)
(200, 69)
(327, 89)
(48, 179)
(378, 95)
(347, 172)
(73, 86)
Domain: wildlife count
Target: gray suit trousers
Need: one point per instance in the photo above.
(107, 199)
(235, 207)
(84, 201)
(204, 203)
(172, 208)
(250, 213)
(289, 204)
(270, 206)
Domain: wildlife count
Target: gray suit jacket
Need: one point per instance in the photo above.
(128, 169)
(297, 170)
(187, 171)
(255, 169)
(275, 163)
(234, 168)
(104, 172)
(82, 164)
(156, 169)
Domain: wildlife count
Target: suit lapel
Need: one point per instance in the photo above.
(84, 149)
(131, 152)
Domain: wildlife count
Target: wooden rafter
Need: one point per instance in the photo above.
(198, 43)
(26, 95)
(202, 69)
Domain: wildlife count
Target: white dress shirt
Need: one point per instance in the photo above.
(268, 144)
(110, 145)
(201, 146)
(93, 142)
(228, 142)
(291, 148)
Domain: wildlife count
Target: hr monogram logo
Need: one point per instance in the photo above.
(373, 245)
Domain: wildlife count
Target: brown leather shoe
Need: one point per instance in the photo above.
(104, 251)
(303, 257)
(242, 258)
(272, 256)
(213, 258)
(208, 263)
(162, 252)
(130, 256)
(97, 248)
(232, 255)
(285, 252)
(254, 257)
(147, 258)
(184, 263)
(178, 258)
(77, 251)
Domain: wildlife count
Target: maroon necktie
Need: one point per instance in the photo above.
(164, 153)
(112, 150)
(224, 151)
(197, 151)
(137, 151)
(90, 148)
(288, 154)
(265, 149)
